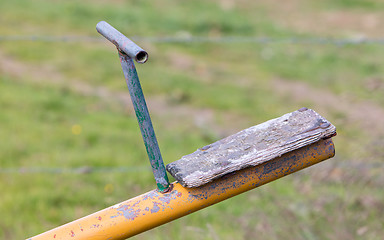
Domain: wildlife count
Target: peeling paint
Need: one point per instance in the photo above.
(151, 195)
(165, 199)
(155, 208)
(152, 209)
(129, 213)
(145, 122)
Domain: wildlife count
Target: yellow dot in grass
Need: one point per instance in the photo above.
(108, 188)
(76, 129)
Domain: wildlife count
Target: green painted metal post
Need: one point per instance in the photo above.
(145, 122)
(128, 51)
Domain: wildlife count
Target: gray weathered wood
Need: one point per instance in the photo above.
(251, 147)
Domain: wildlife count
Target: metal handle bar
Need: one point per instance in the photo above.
(123, 43)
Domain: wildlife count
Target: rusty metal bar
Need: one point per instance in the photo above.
(152, 209)
(128, 50)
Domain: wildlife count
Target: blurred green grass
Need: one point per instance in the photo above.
(62, 106)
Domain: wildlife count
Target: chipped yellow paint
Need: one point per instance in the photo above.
(152, 209)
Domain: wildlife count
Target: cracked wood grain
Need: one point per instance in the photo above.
(251, 147)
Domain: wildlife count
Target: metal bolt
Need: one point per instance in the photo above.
(205, 148)
(325, 124)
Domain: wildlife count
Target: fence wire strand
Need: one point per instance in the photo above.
(202, 39)
(90, 169)
(74, 170)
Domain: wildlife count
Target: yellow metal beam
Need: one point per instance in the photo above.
(153, 209)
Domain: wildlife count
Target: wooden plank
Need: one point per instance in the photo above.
(251, 147)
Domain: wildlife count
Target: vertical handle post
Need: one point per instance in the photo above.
(128, 51)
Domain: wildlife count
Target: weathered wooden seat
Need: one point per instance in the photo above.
(251, 147)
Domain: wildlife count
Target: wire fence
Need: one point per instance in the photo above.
(74, 170)
(184, 39)
(202, 39)
(90, 169)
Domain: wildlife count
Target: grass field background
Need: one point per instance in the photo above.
(70, 144)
